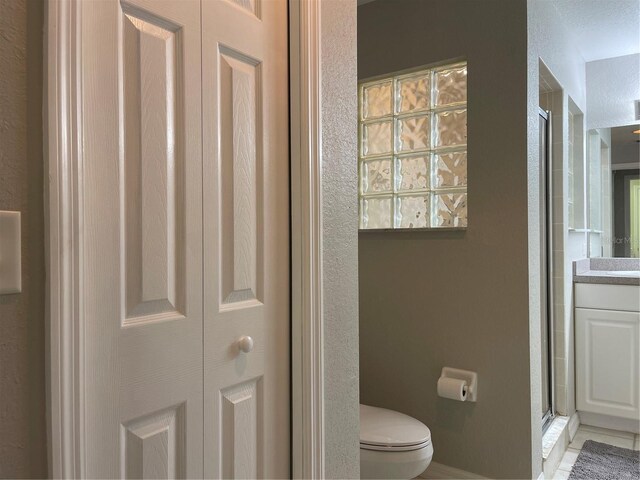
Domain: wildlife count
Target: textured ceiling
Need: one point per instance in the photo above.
(602, 28)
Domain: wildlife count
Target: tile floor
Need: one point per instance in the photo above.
(604, 435)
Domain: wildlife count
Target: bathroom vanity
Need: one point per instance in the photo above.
(607, 342)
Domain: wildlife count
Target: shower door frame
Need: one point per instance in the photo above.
(546, 241)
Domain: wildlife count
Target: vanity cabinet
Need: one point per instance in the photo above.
(607, 319)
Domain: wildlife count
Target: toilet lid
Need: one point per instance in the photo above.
(380, 427)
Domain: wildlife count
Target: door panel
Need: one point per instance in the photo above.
(153, 165)
(141, 248)
(241, 417)
(241, 240)
(246, 238)
(154, 446)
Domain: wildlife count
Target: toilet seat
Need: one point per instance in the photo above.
(387, 430)
(394, 448)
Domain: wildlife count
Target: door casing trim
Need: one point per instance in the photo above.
(63, 240)
(307, 347)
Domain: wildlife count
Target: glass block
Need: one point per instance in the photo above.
(451, 210)
(451, 169)
(414, 93)
(377, 100)
(412, 133)
(376, 212)
(451, 86)
(376, 138)
(413, 211)
(376, 175)
(451, 128)
(412, 173)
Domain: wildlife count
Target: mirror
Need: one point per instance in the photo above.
(613, 191)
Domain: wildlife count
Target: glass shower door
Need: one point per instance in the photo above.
(546, 270)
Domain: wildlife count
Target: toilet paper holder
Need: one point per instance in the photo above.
(470, 377)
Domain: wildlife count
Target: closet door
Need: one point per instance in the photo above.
(141, 248)
(246, 238)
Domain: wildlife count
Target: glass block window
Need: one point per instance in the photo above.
(413, 150)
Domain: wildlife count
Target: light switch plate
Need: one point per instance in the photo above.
(10, 253)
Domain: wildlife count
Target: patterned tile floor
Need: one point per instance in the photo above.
(603, 435)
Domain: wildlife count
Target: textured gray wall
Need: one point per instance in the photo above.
(460, 299)
(340, 239)
(22, 350)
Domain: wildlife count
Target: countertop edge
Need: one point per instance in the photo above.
(593, 276)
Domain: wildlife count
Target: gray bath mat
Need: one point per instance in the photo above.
(599, 461)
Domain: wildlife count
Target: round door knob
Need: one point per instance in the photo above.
(245, 343)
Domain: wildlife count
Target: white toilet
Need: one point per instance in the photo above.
(392, 445)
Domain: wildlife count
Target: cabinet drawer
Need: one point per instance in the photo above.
(608, 297)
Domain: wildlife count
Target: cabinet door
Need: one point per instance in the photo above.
(607, 362)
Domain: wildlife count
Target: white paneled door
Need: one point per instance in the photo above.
(246, 238)
(184, 239)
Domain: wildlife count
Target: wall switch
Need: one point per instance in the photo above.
(10, 253)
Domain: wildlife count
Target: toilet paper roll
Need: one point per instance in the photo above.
(452, 388)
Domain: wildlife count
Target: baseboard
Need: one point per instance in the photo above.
(438, 470)
(607, 421)
(574, 423)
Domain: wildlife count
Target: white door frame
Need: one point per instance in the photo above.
(64, 231)
(307, 367)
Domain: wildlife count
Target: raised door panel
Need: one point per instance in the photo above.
(154, 446)
(141, 268)
(251, 6)
(608, 362)
(240, 427)
(152, 167)
(240, 171)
